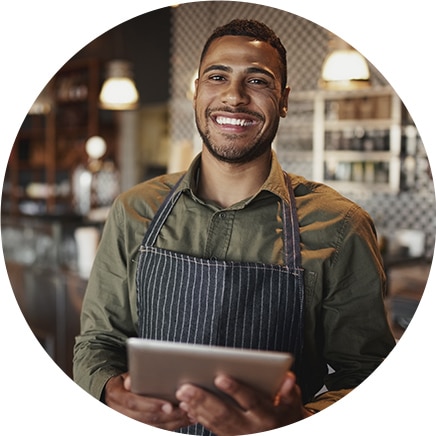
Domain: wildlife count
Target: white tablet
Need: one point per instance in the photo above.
(158, 368)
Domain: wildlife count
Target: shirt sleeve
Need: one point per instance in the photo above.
(106, 318)
(356, 336)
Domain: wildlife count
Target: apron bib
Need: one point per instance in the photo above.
(252, 305)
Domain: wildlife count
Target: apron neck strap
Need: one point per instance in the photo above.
(291, 229)
(161, 215)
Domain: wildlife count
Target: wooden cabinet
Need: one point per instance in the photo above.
(355, 140)
(51, 144)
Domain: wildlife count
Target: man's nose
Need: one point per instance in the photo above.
(235, 94)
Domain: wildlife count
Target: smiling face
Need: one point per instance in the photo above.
(239, 98)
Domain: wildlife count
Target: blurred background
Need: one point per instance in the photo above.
(81, 144)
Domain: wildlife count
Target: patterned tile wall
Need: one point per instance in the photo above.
(307, 45)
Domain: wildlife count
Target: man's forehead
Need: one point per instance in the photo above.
(237, 41)
(240, 49)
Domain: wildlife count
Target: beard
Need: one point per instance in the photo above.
(229, 148)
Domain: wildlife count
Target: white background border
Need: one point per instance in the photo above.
(38, 37)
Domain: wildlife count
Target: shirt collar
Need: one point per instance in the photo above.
(275, 182)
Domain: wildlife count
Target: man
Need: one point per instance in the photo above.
(292, 265)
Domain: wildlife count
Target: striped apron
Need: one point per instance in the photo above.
(183, 298)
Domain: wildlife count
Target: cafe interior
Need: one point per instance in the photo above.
(107, 121)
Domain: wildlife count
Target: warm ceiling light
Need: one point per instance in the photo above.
(95, 147)
(344, 68)
(119, 91)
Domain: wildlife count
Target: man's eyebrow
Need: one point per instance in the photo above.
(259, 70)
(218, 67)
(250, 70)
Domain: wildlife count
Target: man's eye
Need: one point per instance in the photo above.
(257, 81)
(216, 77)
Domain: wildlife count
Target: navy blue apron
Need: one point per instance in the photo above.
(252, 305)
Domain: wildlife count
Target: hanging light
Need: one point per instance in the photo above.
(344, 68)
(119, 91)
(95, 147)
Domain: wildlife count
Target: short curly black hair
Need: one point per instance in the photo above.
(255, 29)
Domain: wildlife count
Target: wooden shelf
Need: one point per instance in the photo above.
(50, 146)
(357, 137)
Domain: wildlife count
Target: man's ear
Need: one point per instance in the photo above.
(284, 102)
(194, 97)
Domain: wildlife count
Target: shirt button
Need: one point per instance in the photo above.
(223, 215)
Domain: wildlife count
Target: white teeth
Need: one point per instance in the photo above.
(232, 121)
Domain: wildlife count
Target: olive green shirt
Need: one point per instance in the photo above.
(346, 330)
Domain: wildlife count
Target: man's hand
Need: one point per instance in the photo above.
(256, 413)
(152, 411)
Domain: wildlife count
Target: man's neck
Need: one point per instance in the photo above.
(226, 184)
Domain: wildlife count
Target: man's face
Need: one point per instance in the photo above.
(239, 98)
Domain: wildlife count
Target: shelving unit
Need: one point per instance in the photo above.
(355, 140)
(50, 145)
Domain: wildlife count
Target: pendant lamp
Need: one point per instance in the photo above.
(344, 68)
(119, 91)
